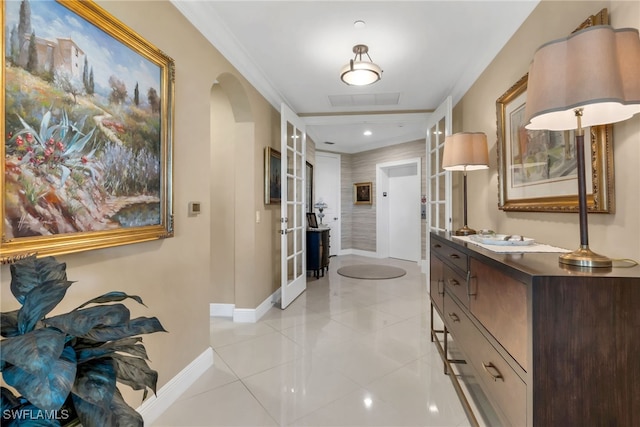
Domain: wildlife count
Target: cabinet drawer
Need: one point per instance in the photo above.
(499, 381)
(450, 255)
(500, 304)
(456, 284)
(457, 322)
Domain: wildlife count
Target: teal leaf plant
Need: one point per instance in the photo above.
(65, 367)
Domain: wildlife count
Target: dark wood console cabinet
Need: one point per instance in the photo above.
(318, 250)
(546, 345)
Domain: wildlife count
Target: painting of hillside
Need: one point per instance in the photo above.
(82, 125)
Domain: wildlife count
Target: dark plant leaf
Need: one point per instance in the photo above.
(78, 323)
(39, 302)
(82, 343)
(125, 414)
(138, 326)
(32, 272)
(91, 415)
(125, 345)
(46, 392)
(34, 352)
(135, 372)
(112, 297)
(9, 324)
(96, 382)
(8, 399)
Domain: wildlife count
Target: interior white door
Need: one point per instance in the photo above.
(327, 183)
(292, 219)
(404, 212)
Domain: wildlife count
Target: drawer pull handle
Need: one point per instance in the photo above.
(497, 376)
(454, 282)
(454, 317)
(437, 246)
(454, 256)
(469, 291)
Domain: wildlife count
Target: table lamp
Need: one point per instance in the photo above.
(321, 206)
(590, 78)
(465, 151)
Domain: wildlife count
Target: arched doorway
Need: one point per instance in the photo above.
(232, 190)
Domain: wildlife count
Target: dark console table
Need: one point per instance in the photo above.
(318, 250)
(540, 344)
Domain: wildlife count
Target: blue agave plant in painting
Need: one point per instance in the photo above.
(66, 366)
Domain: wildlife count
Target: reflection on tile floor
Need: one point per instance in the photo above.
(346, 352)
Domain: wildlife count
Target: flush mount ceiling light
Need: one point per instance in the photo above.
(358, 72)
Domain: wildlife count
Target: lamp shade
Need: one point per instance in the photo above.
(465, 151)
(596, 69)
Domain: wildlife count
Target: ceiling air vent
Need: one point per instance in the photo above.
(364, 100)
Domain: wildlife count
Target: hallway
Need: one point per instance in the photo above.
(347, 352)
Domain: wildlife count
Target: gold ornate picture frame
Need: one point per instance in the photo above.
(88, 124)
(537, 169)
(362, 193)
(272, 176)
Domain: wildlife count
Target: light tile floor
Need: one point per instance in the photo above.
(346, 352)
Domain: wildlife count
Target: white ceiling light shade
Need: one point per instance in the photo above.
(358, 72)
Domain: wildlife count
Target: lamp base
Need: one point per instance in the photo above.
(584, 257)
(465, 231)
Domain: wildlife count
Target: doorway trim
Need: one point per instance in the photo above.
(382, 205)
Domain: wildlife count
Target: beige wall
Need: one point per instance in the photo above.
(615, 235)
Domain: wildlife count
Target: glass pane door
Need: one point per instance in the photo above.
(293, 218)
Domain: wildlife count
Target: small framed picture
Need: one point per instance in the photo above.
(362, 194)
(312, 220)
(272, 178)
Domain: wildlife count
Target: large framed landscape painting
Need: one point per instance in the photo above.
(87, 118)
(537, 169)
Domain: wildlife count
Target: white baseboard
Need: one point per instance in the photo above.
(369, 254)
(152, 408)
(244, 315)
(221, 310)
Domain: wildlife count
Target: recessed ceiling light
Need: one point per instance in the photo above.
(367, 133)
(359, 24)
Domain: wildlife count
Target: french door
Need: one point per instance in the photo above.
(438, 180)
(292, 214)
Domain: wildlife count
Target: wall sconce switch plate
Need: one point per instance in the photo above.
(194, 208)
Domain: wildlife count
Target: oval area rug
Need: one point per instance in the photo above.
(371, 271)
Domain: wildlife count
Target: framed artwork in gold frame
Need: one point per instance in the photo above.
(87, 116)
(362, 193)
(537, 169)
(272, 176)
